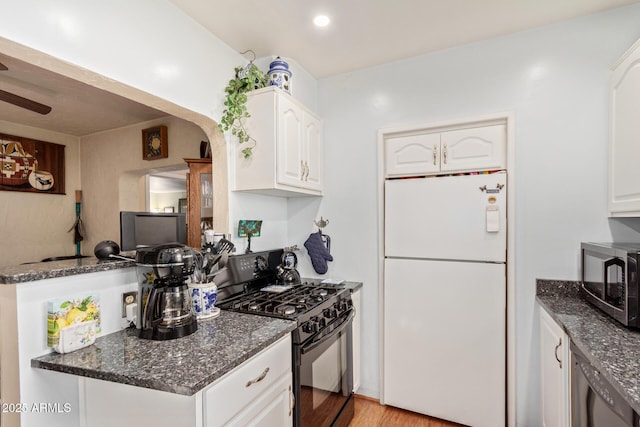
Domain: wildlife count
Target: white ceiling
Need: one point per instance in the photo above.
(363, 33)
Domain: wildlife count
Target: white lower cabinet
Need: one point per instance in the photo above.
(258, 392)
(272, 408)
(555, 369)
(259, 389)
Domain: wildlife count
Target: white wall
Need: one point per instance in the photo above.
(147, 44)
(554, 79)
(153, 48)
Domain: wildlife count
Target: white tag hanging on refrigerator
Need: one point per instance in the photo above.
(493, 219)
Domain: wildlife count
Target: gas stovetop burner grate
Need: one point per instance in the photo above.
(288, 304)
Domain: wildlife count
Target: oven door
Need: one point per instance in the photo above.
(594, 401)
(323, 377)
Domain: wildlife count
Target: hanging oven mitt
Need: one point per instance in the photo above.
(318, 252)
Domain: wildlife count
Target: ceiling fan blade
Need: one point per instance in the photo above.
(3, 67)
(24, 103)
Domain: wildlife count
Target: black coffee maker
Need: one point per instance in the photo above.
(164, 302)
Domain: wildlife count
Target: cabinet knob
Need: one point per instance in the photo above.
(444, 153)
(435, 154)
(306, 167)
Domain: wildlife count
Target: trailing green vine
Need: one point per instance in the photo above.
(246, 79)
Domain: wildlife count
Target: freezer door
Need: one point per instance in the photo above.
(444, 340)
(454, 217)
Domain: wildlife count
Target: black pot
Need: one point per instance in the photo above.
(105, 249)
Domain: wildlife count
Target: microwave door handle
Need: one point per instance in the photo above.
(611, 262)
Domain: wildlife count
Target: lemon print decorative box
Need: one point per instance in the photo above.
(72, 323)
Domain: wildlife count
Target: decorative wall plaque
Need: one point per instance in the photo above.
(30, 165)
(154, 143)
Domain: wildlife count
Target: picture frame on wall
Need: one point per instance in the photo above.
(154, 143)
(30, 165)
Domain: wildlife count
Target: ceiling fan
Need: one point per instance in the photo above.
(19, 101)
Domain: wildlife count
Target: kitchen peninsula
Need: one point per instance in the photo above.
(122, 374)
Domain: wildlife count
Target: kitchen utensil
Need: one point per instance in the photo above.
(225, 245)
(210, 261)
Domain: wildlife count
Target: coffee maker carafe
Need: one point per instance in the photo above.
(164, 309)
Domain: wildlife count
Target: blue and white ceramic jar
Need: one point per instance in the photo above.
(279, 75)
(203, 297)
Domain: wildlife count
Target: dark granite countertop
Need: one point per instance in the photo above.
(47, 270)
(611, 348)
(183, 366)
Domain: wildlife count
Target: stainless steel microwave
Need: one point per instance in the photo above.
(610, 279)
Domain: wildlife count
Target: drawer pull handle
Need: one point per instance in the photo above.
(260, 378)
(292, 399)
(556, 352)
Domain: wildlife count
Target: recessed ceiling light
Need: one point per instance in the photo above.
(321, 21)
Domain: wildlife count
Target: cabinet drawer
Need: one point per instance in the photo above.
(231, 393)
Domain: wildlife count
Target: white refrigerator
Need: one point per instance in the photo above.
(444, 333)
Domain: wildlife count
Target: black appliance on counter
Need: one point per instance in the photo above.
(610, 279)
(322, 342)
(164, 302)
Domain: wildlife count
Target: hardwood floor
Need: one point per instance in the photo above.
(369, 413)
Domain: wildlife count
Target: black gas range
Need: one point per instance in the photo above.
(322, 348)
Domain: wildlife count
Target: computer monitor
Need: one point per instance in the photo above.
(140, 229)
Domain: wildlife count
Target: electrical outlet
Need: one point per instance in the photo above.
(128, 298)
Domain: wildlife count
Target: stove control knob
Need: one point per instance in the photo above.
(310, 327)
(330, 313)
(261, 264)
(322, 323)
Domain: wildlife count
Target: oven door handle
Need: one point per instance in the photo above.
(336, 330)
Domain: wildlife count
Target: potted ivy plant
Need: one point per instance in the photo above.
(246, 79)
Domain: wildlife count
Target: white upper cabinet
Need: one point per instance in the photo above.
(437, 152)
(413, 155)
(624, 136)
(287, 157)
